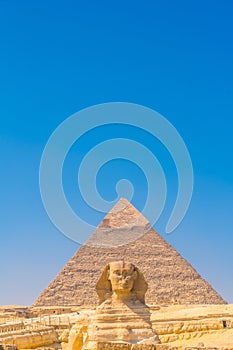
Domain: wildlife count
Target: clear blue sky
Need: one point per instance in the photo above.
(58, 57)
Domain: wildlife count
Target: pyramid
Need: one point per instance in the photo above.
(171, 279)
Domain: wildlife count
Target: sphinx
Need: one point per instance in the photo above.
(122, 316)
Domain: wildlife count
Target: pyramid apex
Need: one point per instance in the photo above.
(122, 203)
(123, 200)
(122, 224)
(122, 214)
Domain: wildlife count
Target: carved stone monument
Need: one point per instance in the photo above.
(75, 284)
(122, 316)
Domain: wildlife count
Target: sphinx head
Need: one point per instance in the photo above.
(122, 276)
(122, 279)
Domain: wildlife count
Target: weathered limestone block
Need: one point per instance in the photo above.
(112, 346)
(168, 338)
(170, 331)
(119, 346)
(30, 340)
(125, 346)
(64, 337)
(201, 348)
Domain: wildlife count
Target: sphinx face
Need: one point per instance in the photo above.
(122, 276)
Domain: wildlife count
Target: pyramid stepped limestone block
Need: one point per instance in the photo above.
(171, 279)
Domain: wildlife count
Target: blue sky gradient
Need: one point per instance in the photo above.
(58, 57)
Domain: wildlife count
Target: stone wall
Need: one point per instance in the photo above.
(35, 332)
(185, 330)
(30, 340)
(119, 346)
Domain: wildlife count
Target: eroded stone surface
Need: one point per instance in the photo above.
(178, 326)
(122, 317)
(171, 279)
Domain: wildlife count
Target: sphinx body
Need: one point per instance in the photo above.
(122, 316)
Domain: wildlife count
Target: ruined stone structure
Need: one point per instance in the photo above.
(179, 327)
(171, 279)
(35, 332)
